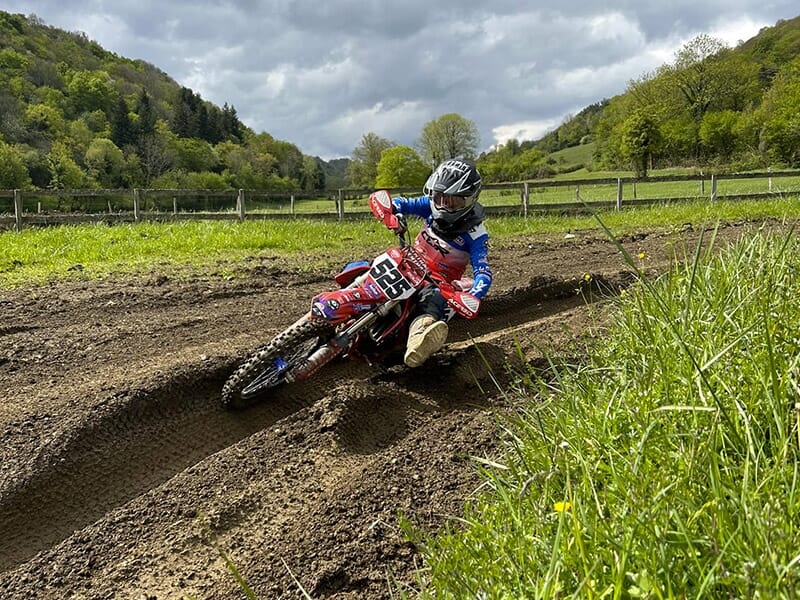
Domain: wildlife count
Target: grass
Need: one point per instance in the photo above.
(39, 255)
(36, 256)
(632, 220)
(574, 155)
(666, 466)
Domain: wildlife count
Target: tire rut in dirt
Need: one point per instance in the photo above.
(542, 297)
(138, 442)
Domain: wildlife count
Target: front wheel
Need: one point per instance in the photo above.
(268, 367)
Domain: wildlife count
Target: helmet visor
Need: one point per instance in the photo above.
(448, 202)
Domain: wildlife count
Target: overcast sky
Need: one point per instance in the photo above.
(322, 73)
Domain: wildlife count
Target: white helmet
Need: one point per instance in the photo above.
(453, 189)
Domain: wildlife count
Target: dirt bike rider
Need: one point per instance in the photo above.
(452, 237)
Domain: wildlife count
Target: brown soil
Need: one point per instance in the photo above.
(121, 476)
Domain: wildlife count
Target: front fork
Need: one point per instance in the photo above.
(338, 343)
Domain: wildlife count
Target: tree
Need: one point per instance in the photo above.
(46, 120)
(718, 133)
(13, 172)
(448, 136)
(779, 117)
(91, 90)
(105, 162)
(251, 166)
(400, 167)
(146, 117)
(699, 75)
(363, 168)
(123, 132)
(289, 157)
(528, 165)
(64, 172)
(639, 141)
(12, 126)
(185, 122)
(698, 79)
(154, 158)
(193, 154)
(12, 62)
(312, 177)
(706, 77)
(36, 163)
(231, 126)
(80, 137)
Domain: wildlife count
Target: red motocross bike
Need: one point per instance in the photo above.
(365, 319)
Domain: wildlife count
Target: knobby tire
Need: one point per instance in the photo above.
(292, 346)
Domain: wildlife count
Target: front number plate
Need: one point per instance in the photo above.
(388, 277)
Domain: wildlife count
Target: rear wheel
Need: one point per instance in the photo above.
(268, 367)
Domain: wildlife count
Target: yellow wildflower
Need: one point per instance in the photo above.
(562, 506)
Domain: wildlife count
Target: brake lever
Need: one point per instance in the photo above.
(401, 229)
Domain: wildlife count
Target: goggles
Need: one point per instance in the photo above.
(448, 202)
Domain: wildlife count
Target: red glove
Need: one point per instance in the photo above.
(380, 203)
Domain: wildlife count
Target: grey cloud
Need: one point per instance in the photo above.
(321, 74)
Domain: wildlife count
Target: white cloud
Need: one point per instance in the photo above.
(524, 130)
(737, 30)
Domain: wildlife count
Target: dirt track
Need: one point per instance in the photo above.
(118, 467)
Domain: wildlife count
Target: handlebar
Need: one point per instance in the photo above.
(401, 230)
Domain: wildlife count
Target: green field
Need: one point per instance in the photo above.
(39, 255)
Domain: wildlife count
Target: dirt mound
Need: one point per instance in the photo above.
(121, 476)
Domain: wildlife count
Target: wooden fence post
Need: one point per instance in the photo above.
(702, 184)
(713, 188)
(174, 205)
(291, 204)
(340, 205)
(769, 170)
(619, 193)
(17, 210)
(240, 205)
(526, 198)
(136, 204)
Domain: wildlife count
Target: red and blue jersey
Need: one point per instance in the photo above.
(450, 257)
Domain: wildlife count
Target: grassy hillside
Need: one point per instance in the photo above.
(74, 115)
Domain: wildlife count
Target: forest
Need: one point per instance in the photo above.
(76, 116)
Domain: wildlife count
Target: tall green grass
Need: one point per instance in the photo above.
(666, 466)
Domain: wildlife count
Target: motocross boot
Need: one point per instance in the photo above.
(425, 336)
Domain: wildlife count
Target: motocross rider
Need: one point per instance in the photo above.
(452, 237)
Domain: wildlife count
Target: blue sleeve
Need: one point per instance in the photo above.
(482, 272)
(421, 206)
